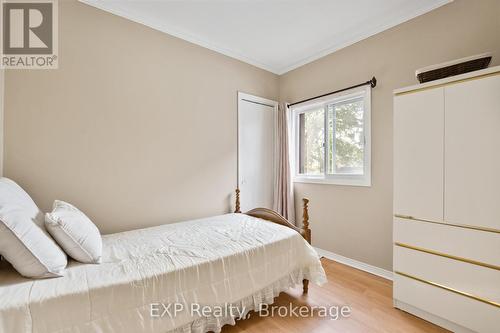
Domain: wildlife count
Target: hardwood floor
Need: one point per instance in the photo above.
(368, 296)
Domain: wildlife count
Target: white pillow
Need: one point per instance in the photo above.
(74, 232)
(13, 194)
(26, 246)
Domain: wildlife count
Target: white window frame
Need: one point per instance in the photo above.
(337, 179)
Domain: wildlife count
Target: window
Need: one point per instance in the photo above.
(331, 137)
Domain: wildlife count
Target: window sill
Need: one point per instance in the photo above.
(334, 181)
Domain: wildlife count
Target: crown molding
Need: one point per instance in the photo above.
(170, 30)
(114, 9)
(363, 35)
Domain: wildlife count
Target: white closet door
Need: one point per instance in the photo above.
(256, 130)
(418, 154)
(472, 153)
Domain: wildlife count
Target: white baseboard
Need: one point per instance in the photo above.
(431, 317)
(356, 264)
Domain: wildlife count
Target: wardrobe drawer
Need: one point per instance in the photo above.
(464, 311)
(472, 279)
(482, 246)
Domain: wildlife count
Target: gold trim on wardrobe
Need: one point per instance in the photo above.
(456, 291)
(466, 226)
(447, 83)
(449, 256)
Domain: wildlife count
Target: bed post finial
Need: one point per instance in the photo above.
(306, 232)
(237, 206)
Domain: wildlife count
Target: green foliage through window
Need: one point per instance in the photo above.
(343, 141)
(346, 152)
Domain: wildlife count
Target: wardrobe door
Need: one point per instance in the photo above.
(418, 154)
(472, 153)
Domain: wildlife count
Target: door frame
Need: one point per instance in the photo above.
(244, 97)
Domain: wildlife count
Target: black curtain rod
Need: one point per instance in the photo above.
(372, 83)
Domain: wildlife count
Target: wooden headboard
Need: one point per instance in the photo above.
(271, 215)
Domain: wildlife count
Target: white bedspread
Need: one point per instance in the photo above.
(234, 259)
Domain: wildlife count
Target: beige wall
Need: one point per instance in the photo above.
(136, 128)
(356, 222)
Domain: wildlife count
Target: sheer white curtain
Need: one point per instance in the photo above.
(283, 188)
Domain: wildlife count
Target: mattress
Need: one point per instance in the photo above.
(231, 259)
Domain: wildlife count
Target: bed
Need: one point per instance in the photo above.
(150, 279)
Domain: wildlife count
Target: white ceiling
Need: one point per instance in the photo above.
(276, 35)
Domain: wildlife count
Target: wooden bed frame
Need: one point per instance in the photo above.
(271, 215)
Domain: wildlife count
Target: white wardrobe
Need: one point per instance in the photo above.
(447, 201)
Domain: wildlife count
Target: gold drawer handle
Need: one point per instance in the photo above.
(409, 217)
(459, 292)
(449, 256)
